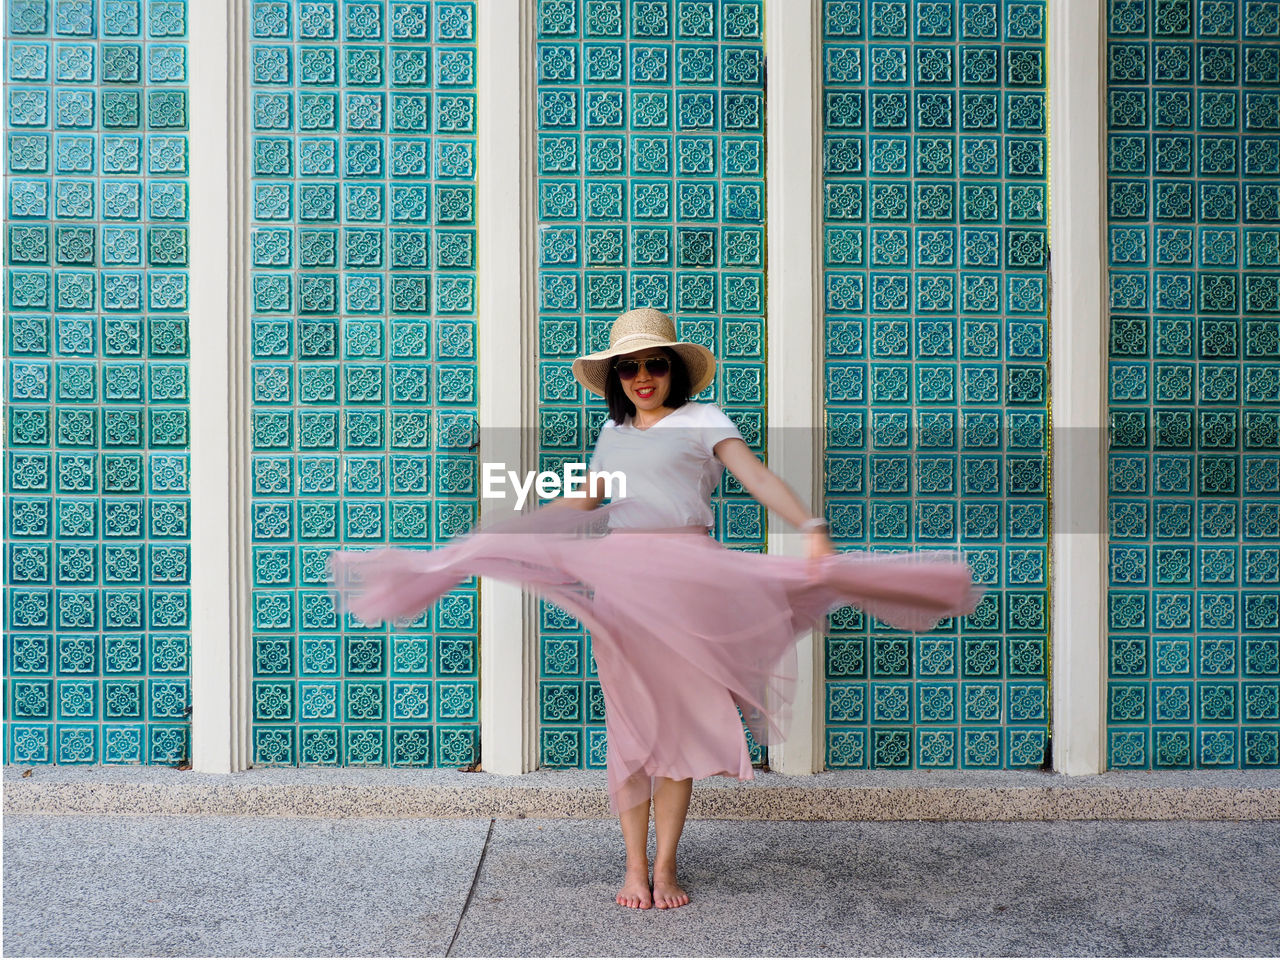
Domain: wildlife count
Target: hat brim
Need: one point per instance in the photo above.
(592, 370)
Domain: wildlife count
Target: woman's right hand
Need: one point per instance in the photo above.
(587, 497)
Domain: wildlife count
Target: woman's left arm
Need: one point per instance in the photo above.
(771, 491)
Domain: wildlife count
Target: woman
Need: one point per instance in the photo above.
(689, 638)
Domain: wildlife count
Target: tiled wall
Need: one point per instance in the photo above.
(363, 370)
(1193, 157)
(97, 642)
(650, 117)
(650, 191)
(936, 378)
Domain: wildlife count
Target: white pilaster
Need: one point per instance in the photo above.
(219, 359)
(1078, 325)
(507, 345)
(794, 320)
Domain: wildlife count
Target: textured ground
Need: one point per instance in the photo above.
(276, 886)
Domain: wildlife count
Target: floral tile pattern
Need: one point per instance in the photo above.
(650, 191)
(1193, 212)
(97, 619)
(935, 204)
(363, 370)
(650, 119)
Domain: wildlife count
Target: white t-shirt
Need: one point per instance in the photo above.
(670, 468)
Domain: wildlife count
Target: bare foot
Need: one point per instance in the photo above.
(668, 894)
(635, 891)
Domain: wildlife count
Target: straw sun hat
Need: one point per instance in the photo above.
(639, 330)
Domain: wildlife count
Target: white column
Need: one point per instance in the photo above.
(507, 341)
(219, 418)
(794, 322)
(1078, 324)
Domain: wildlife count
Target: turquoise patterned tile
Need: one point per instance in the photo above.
(935, 255)
(1192, 208)
(650, 193)
(97, 640)
(363, 370)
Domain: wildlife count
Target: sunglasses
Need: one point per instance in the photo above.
(656, 367)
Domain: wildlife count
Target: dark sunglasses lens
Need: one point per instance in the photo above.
(657, 367)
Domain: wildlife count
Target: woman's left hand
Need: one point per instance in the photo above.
(820, 545)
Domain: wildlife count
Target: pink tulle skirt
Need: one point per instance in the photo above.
(686, 633)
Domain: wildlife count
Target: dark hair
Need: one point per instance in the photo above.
(677, 396)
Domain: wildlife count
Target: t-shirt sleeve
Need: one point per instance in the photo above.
(714, 427)
(597, 459)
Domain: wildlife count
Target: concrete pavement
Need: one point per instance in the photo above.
(91, 885)
(887, 795)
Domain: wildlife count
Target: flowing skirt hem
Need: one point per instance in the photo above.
(690, 639)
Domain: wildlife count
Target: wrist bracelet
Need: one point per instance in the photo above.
(814, 523)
